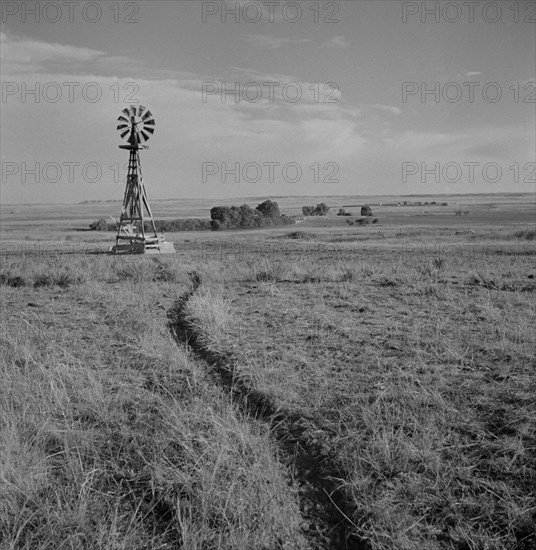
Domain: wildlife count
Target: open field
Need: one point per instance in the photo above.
(318, 386)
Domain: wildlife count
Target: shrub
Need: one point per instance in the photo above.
(301, 235)
(11, 279)
(269, 209)
(528, 234)
(100, 225)
(320, 209)
(241, 217)
(62, 278)
(366, 211)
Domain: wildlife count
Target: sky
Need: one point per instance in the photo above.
(268, 98)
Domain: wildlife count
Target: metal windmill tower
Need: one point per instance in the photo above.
(132, 238)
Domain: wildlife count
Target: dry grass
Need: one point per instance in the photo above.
(420, 377)
(112, 436)
(414, 371)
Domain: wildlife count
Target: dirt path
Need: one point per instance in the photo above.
(326, 513)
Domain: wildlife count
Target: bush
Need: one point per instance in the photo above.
(342, 212)
(269, 209)
(242, 217)
(12, 279)
(363, 221)
(100, 225)
(527, 235)
(299, 235)
(320, 209)
(366, 211)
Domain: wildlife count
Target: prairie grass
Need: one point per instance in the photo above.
(420, 379)
(411, 371)
(113, 437)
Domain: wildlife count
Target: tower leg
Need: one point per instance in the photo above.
(131, 236)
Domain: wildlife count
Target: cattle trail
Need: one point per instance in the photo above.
(323, 507)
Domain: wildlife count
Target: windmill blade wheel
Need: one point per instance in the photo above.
(136, 123)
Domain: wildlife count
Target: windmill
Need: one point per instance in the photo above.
(137, 125)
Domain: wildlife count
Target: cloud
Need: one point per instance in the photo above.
(273, 43)
(22, 55)
(337, 42)
(473, 73)
(388, 108)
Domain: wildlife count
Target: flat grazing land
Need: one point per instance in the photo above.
(318, 386)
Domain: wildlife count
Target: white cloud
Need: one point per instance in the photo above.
(337, 42)
(389, 108)
(22, 55)
(272, 42)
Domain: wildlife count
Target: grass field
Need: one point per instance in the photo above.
(307, 387)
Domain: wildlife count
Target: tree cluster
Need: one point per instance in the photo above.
(241, 217)
(320, 209)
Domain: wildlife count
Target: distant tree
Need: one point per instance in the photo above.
(321, 209)
(269, 209)
(216, 225)
(240, 217)
(366, 211)
(247, 215)
(221, 214)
